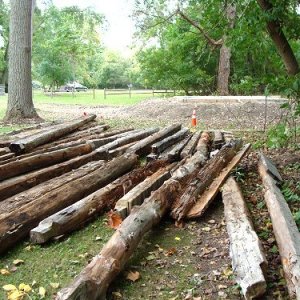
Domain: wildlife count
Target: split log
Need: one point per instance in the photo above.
(284, 226)
(42, 160)
(28, 143)
(174, 154)
(144, 146)
(204, 178)
(143, 190)
(94, 280)
(78, 214)
(191, 145)
(210, 193)
(160, 146)
(248, 259)
(16, 225)
(218, 141)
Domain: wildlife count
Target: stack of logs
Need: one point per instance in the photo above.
(60, 177)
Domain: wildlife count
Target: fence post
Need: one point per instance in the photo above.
(104, 93)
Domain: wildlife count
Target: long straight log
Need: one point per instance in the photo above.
(94, 280)
(144, 146)
(285, 229)
(26, 144)
(204, 178)
(210, 193)
(16, 225)
(6, 156)
(174, 154)
(79, 213)
(191, 145)
(248, 259)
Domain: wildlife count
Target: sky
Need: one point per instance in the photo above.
(118, 35)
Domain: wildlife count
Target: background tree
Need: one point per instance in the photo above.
(4, 24)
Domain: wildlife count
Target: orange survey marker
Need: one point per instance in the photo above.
(194, 120)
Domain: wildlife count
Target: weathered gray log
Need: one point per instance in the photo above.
(79, 213)
(285, 229)
(174, 154)
(203, 179)
(228, 137)
(218, 140)
(42, 160)
(248, 259)
(94, 280)
(143, 190)
(160, 146)
(16, 225)
(210, 193)
(191, 145)
(144, 146)
(28, 143)
(119, 151)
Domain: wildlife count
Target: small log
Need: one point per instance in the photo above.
(144, 146)
(285, 229)
(94, 280)
(248, 259)
(191, 145)
(6, 156)
(28, 143)
(79, 213)
(16, 225)
(160, 146)
(174, 154)
(204, 178)
(143, 190)
(42, 160)
(119, 151)
(218, 140)
(210, 193)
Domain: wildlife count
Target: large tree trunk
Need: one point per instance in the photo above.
(20, 104)
(281, 43)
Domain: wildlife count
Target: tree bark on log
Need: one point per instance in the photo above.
(144, 146)
(42, 160)
(16, 225)
(31, 142)
(191, 145)
(248, 259)
(94, 280)
(174, 154)
(6, 157)
(210, 193)
(284, 227)
(203, 179)
(81, 212)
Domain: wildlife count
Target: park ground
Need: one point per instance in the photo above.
(192, 262)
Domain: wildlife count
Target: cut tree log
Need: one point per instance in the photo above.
(160, 146)
(79, 213)
(174, 154)
(210, 193)
(218, 140)
(6, 156)
(15, 225)
(285, 229)
(31, 142)
(4, 150)
(94, 280)
(248, 259)
(144, 146)
(191, 145)
(42, 160)
(203, 179)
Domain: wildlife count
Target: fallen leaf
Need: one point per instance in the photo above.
(114, 219)
(42, 292)
(177, 238)
(54, 285)
(9, 287)
(18, 262)
(179, 224)
(4, 272)
(24, 287)
(133, 276)
(227, 272)
(207, 229)
(15, 295)
(117, 295)
(171, 251)
(29, 248)
(151, 257)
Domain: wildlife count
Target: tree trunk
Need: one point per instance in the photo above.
(79, 213)
(285, 229)
(281, 43)
(20, 105)
(16, 225)
(248, 259)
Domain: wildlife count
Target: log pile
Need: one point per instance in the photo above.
(60, 178)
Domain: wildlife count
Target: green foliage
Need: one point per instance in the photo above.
(291, 194)
(278, 136)
(297, 218)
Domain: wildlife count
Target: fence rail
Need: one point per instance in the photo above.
(129, 92)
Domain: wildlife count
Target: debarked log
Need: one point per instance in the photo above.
(94, 280)
(28, 143)
(16, 225)
(79, 213)
(248, 259)
(203, 179)
(285, 229)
